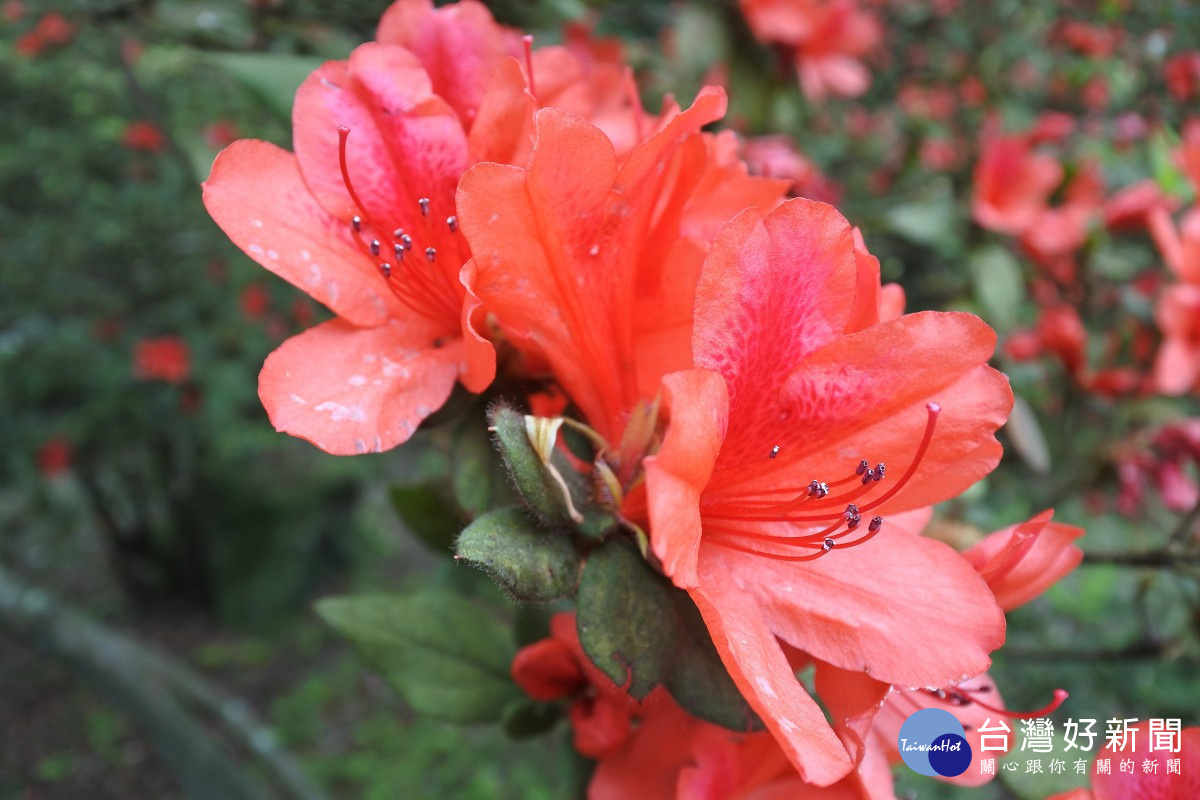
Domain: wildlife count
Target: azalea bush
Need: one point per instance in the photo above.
(756, 377)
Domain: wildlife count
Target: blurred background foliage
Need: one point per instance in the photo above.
(141, 481)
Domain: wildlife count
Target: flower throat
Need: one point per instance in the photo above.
(424, 288)
(841, 505)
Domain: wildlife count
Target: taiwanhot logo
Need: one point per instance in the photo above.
(932, 742)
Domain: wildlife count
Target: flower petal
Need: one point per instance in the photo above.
(698, 406)
(577, 261)
(852, 698)
(255, 193)
(924, 618)
(458, 45)
(354, 390)
(760, 669)
(404, 144)
(503, 130)
(865, 396)
(479, 354)
(771, 292)
(1022, 561)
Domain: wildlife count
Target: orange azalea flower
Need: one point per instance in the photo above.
(1155, 783)
(587, 263)
(764, 505)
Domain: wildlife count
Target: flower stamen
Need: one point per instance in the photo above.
(728, 523)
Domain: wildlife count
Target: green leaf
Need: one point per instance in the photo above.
(529, 563)
(274, 77)
(430, 518)
(999, 285)
(473, 459)
(641, 632)
(447, 657)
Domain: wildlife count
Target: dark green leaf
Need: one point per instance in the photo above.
(430, 518)
(640, 630)
(448, 658)
(533, 565)
(526, 718)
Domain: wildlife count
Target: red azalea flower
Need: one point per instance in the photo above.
(791, 390)
(1177, 365)
(778, 157)
(652, 750)
(1130, 208)
(1156, 783)
(1051, 126)
(163, 359)
(1179, 247)
(1055, 233)
(144, 136)
(52, 30)
(220, 134)
(1182, 73)
(1091, 40)
(1012, 185)
(826, 40)
(54, 457)
(255, 301)
(460, 45)
(362, 218)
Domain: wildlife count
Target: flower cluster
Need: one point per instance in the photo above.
(757, 419)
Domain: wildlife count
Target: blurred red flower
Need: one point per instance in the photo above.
(165, 358)
(145, 136)
(52, 30)
(254, 301)
(1177, 365)
(826, 40)
(220, 133)
(1182, 73)
(54, 457)
(1012, 184)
